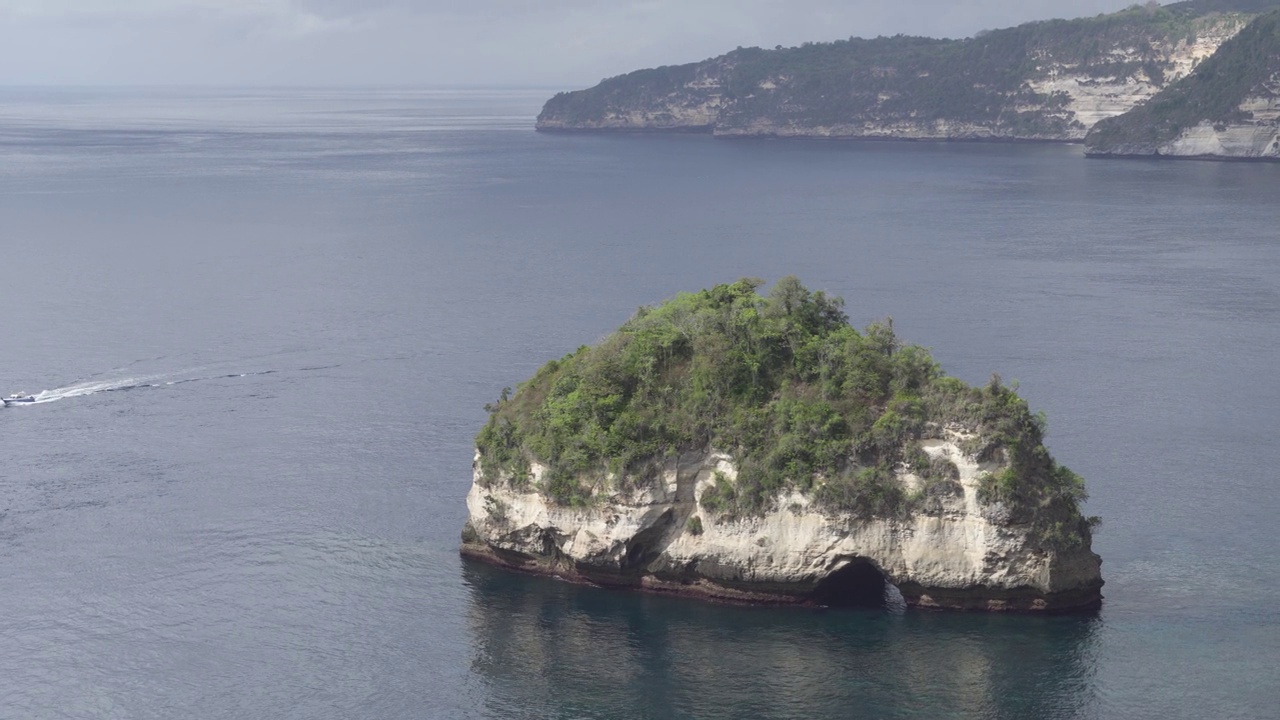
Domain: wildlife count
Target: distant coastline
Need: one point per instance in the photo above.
(1057, 81)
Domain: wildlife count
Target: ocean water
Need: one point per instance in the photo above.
(263, 326)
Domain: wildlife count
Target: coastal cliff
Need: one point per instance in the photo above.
(1044, 81)
(759, 449)
(1229, 108)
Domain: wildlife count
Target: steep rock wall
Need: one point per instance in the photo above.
(1243, 141)
(960, 554)
(1229, 108)
(1093, 98)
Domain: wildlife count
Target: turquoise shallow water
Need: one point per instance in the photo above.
(266, 324)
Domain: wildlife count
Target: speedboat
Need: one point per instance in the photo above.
(19, 399)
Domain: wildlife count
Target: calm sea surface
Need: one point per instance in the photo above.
(266, 325)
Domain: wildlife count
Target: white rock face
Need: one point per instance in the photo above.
(1245, 141)
(1097, 98)
(960, 557)
(1257, 137)
(896, 130)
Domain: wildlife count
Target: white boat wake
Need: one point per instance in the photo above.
(93, 387)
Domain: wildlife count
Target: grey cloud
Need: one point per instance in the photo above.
(454, 8)
(561, 43)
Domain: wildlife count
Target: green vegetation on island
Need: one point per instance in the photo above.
(795, 394)
(1243, 67)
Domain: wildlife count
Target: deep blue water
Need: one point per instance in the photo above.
(267, 324)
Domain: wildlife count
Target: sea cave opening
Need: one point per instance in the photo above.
(859, 584)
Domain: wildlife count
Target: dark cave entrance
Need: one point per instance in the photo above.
(646, 546)
(856, 585)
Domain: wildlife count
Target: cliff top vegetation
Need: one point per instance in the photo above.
(799, 397)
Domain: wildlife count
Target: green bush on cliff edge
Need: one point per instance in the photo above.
(799, 397)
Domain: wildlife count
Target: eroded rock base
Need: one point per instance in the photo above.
(858, 585)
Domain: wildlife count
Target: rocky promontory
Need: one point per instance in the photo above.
(760, 449)
(1229, 108)
(1043, 81)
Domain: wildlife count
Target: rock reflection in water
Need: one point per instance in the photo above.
(545, 648)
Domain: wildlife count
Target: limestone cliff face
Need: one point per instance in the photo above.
(1042, 82)
(1092, 97)
(1255, 139)
(957, 554)
(1229, 108)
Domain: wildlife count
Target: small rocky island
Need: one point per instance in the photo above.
(759, 449)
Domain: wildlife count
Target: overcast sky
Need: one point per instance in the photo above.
(561, 43)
